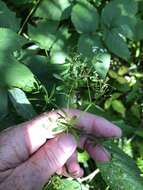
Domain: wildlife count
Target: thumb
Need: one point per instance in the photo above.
(46, 161)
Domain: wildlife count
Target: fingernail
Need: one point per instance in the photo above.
(67, 143)
(119, 132)
(102, 154)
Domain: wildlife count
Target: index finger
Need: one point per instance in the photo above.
(94, 124)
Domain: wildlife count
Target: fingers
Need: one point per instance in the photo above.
(54, 153)
(18, 143)
(45, 162)
(94, 124)
(73, 166)
(98, 152)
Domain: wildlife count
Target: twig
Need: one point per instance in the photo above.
(90, 176)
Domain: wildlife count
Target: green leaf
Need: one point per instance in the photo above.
(116, 95)
(44, 33)
(113, 74)
(83, 157)
(121, 15)
(139, 30)
(85, 17)
(10, 41)
(101, 63)
(123, 70)
(12, 73)
(121, 80)
(59, 50)
(109, 15)
(8, 18)
(118, 106)
(89, 44)
(130, 27)
(3, 103)
(15, 74)
(128, 7)
(21, 103)
(116, 44)
(63, 184)
(126, 26)
(121, 172)
(107, 103)
(52, 9)
(136, 110)
(117, 8)
(44, 70)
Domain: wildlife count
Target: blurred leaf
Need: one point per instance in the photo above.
(121, 172)
(121, 80)
(123, 70)
(52, 9)
(89, 44)
(85, 17)
(8, 18)
(3, 103)
(21, 103)
(45, 71)
(10, 41)
(101, 63)
(133, 94)
(66, 13)
(139, 29)
(107, 103)
(126, 26)
(62, 184)
(117, 8)
(116, 44)
(136, 110)
(83, 157)
(118, 106)
(126, 129)
(130, 27)
(113, 74)
(59, 50)
(44, 34)
(15, 74)
(116, 95)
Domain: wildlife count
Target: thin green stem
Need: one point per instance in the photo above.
(28, 17)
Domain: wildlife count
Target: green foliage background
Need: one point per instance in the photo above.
(79, 54)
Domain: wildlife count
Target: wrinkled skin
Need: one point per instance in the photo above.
(30, 153)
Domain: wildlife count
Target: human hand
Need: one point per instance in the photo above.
(30, 153)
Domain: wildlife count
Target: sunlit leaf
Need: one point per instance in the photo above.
(59, 50)
(15, 74)
(118, 106)
(21, 103)
(44, 34)
(10, 41)
(101, 63)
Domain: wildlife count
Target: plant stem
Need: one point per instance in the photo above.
(90, 176)
(28, 17)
